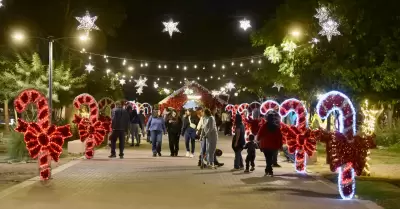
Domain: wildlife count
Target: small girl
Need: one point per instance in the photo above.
(251, 147)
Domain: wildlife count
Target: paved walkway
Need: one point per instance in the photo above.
(141, 181)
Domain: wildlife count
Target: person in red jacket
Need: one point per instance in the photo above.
(270, 139)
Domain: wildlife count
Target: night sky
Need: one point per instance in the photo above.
(210, 31)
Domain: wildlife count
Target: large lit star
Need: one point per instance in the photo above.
(230, 86)
(171, 27)
(89, 68)
(122, 81)
(329, 29)
(140, 83)
(245, 24)
(87, 23)
(278, 86)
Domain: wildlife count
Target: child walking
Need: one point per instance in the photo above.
(251, 147)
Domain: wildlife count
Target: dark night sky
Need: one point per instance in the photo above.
(210, 31)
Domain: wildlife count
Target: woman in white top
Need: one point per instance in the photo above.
(210, 133)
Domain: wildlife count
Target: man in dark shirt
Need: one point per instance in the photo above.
(119, 124)
(251, 147)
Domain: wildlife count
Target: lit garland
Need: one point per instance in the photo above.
(91, 130)
(43, 140)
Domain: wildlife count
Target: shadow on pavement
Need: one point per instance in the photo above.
(299, 192)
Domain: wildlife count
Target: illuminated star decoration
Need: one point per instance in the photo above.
(188, 91)
(329, 29)
(215, 93)
(245, 24)
(170, 27)
(273, 54)
(230, 86)
(122, 81)
(1, 3)
(140, 83)
(328, 24)
(314, 41)
(155, 85)
(278, 86)
(87, 23)
(89, 68)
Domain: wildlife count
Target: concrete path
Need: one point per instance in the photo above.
(141, 181)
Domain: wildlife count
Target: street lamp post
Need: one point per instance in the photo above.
(51, 41)
(18, 36)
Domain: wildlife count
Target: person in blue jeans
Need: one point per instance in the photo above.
(119, 124)
(156, 126)
(189, 131)
(238, 142)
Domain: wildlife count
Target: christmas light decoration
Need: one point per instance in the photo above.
(188, 91)
(103, 117)
(91, 130)
(155, 85)
(245, 24)
(106, 102)
(278, 86)
(329, 29)
(268, 106)
(43, 140)
(230, 86)
(1, 3)
(87, 23)
(171, 27)
(89, 68)
(122, 82)
(243, 107)
(140, 83)
(167, 91)
(288, 46)
(298, 137)
(337, 101)
(328, 24)
(370, 118)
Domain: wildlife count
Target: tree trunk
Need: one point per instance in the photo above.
(6, 117)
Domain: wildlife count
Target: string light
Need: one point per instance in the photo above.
(214, 65)
(145, 64)
(259, 61)
(167, 82)
(172, 79)
(123, 76)
(158, 79)
(130, 68)
(159, 66)
(252, 61)
(232, 63)
(198, 78)
(90, 57)
(211, 77)
(108, 71)
(241, 64)
(223, 66)
(177, 66)
(165, 66)
(124, 62)
(219, 78)
(184, 68)
(155, 85)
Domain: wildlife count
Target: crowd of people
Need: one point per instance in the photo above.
(200, 125)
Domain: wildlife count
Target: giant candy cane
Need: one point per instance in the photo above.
(298, 138)
(244, 113)
(337, 101)
(253, 106)
(233, 110)
(103, 104)
(43, 140)
(91, 130)
(147, 110)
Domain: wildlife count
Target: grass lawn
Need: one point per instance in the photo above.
(382, 187)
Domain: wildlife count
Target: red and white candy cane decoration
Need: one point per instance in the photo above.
(106, 102)
(91, 130)
(252, 107)
(233, 110)
(337, 101)
(146, 107)
(298, 140)
(43, 140)
(243, 107)
(268, 106)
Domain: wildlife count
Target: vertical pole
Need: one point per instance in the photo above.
(51, 77)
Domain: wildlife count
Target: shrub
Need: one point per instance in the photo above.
(388, 136)
(16, 147)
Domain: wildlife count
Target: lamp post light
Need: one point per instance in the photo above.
(20, 37)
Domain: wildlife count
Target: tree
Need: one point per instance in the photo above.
(25, 73)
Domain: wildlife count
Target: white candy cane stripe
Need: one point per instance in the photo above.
(333, 101)
(146, 107)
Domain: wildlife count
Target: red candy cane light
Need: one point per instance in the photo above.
(43, 141)
(252, 107)
(268, 106)
(298, 137)
(91, 130)
(337, 101)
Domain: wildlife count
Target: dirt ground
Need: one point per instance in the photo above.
(11, 174)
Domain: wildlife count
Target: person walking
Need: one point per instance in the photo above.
(270, 138)
(277, 122)
(142, 118)
(136, 127)
(210, 136)
(189, 131)
(238, 142)
(119, 124)
(156, 126)
(174, 125)
(251, 147)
